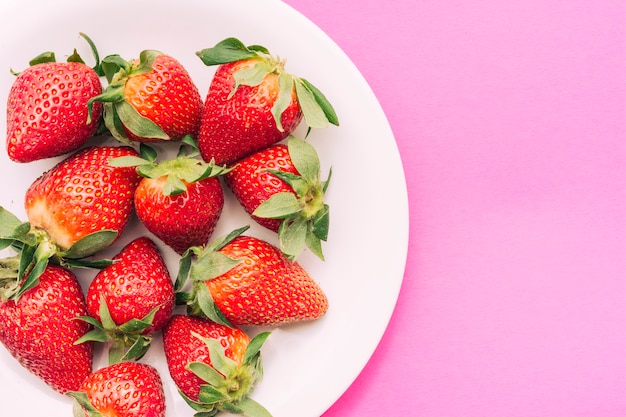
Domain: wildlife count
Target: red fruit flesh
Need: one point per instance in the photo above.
(40, 329)
(265, 289)
(47, 112)
(235, 127)
(182, 220)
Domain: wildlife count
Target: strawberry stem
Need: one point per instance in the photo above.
(97, 67)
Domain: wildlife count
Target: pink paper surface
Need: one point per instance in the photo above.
(510, 118)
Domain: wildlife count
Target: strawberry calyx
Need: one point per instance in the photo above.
(318, 112)
(209, 263)
(185, 168)
(35, 249)
(228, 384)
(305, 215)
(50, 56)
(129, 339)
(118, 112)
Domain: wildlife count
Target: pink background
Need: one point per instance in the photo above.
(510, 117)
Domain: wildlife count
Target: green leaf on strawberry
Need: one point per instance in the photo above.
(209, 264)
(314, 114)
(228, 50)
(135, 122)
(184, 169)
(212, 264)
(10, 228)
(206, 305)
(279, 206)
(43, 58)
(321, 100)
(285, 86)
(119, 114)
(253, 76)
(129, 342)
(305, 159)
(34, 270)
(293, 236)
(112, 64)
(90, 244)
(82, 406)
(306, 217)
(227, 384)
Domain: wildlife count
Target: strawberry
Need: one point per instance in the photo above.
(253, 102)
(130, 300)
(81, 195)
(38, 326)
(149, 99)
(242, 280)
(280, 188)
(215, 367)
(127, 389)
(179, 200)
(47, 111)
(74, 210)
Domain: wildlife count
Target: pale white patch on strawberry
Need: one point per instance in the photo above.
(39, 215)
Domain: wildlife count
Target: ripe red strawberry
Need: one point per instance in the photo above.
(83, 194)
(127, 389)
(47, 112)
(130, 300)
(242, 280)
(150, 99)
(214, 366)
(179, 200)
(74, 210)
(253, 102)
(180, 220)
(280, 188)
(39, 327)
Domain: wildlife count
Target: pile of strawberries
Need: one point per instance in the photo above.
(239, 140)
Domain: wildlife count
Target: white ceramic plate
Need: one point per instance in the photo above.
(307, 366)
